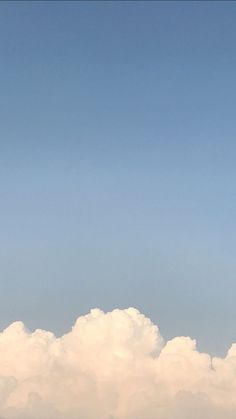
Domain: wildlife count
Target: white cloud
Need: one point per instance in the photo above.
(112, 366)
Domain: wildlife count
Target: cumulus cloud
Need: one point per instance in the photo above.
(112, 366)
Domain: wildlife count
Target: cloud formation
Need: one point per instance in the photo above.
(112, 366)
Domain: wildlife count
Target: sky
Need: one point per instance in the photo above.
(117, 164)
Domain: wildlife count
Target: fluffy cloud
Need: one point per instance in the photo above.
(112, 366)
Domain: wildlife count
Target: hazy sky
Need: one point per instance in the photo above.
(117, 164)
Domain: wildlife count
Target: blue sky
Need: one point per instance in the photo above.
(117, 164)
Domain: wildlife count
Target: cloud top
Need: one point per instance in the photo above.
(112, 365)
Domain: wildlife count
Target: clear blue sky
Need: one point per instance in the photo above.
(117, 164)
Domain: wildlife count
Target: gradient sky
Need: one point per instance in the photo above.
(117, 164)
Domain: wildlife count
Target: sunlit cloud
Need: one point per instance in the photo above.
(112, 365)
